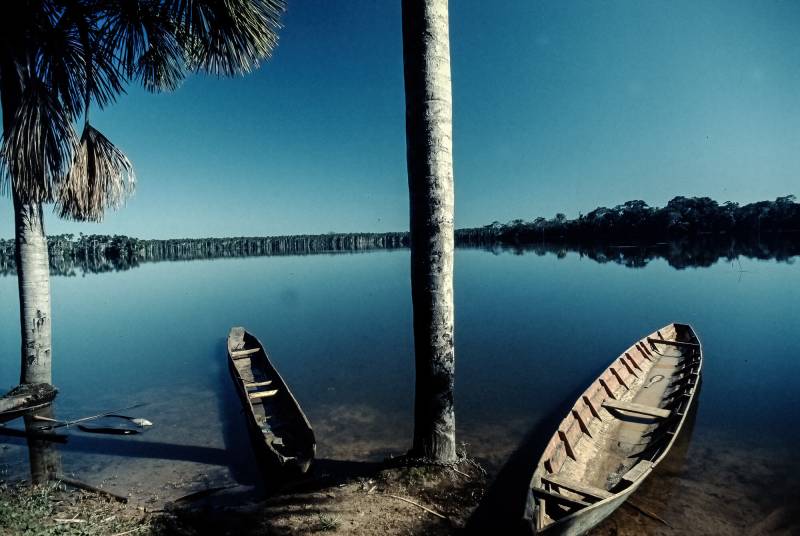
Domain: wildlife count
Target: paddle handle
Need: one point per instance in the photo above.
(40, 418)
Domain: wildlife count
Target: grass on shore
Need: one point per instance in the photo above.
(51, 509)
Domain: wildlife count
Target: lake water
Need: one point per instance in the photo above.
(531, 332)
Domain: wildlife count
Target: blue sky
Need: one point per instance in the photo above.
(558, 107)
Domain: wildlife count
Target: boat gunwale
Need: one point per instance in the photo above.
(636, 483)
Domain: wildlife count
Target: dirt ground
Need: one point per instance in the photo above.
(402, 500)
(715, 486)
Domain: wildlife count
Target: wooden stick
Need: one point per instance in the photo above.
(134, 529)
(41, 418)
(460, 472)
(88, 487)
(59, 424)
(409, 501)
(651, 515)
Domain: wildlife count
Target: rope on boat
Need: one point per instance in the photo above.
(654, 380)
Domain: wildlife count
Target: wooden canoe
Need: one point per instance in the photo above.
(24, 399)
(281, 430)
(619, 429)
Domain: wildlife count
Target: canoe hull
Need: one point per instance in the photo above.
(617, 432)
(25, 399)
(282, 437)
(588, 518)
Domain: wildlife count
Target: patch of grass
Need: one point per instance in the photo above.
(50, 510)
(23, 510)
(329, 522)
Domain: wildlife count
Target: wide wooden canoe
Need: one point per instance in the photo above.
(619, 429)
(281, 430)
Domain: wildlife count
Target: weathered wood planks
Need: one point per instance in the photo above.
(637, 408)
(239, 354)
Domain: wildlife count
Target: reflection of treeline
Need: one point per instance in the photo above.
(99, 253)
(681, 218)
(696, 252)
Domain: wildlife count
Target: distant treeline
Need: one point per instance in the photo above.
(682, 218)
(102, 253)
(686, 232)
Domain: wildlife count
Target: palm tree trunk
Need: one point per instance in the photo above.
(33, 277)
(44, 458)
(426, 61)
(33, 266)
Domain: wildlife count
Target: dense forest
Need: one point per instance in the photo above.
(686, 232)
(635, 221)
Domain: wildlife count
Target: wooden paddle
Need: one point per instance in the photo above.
(112, 413)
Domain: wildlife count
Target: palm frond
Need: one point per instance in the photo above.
(142, 34)
(58, 51)
(104, 81)
(101, 177)
(227, 37)
(37, 149)
(161, 67)
(126, 24)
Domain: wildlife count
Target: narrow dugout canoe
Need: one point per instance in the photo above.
(281, 430)
(25, 399)
(619, 429)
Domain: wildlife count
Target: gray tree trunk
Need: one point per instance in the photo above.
(426, 61)
(33, 277)
(45, 461)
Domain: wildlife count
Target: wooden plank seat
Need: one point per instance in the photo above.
(578, 487)
(240, 354)
(257, 384)
(637, 408)
(640, 469)
(262, 394)
(556, 497)
(679, 344)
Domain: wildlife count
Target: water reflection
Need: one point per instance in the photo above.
(530, 330)
(700, 251)
(100, 254)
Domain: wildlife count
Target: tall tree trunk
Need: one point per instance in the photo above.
(426, 61)
(33, 267)
(33, 278)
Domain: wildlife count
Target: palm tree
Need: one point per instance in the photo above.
(426, 61)
(57, 57)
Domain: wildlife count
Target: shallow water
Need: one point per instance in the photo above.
(532, 331)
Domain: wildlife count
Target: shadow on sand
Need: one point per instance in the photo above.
(503, 506)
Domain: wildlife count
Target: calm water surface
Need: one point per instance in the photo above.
(532, 331)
